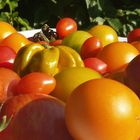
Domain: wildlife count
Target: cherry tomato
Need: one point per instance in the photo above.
(65, 26)
(134, 35)
(35, 83)
(15, 41)
(91, 47)
(105, 33)
(7, 57)
(96, 64)
(6, 29)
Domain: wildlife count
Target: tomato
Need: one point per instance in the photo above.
(91, 47)
(136, 44)
(15, 41)
(7, 57)
(6, 29)
(96, 64)
(117, 55)
(56, 42)
(65, 26)
(9, 79)
(68, 79)
(34, 117)
(35, 83)
(103, 109)
(105, 33)
(134, 35)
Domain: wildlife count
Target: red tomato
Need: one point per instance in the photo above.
(35, 82)
(65, 26)
(34, 117)
(96, 64)
(91, 47)
(56, 42)
(7, 57)
(134, 35)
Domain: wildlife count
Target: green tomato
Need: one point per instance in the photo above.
(76, 39)
(70, 78)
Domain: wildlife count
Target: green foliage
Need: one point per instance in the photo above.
(9, 13)
(122, 15)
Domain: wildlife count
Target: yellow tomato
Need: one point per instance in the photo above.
(67, 80)
(105, 33)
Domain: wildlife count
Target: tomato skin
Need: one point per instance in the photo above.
(7, 57)
(101, 109)
(15, 41)
(91, 47)
(105, 33)
(6, 29)
(34, 116)
(65, 26)
(35, 82)
(96, 64)
(134, 35)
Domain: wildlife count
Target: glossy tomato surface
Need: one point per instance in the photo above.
(91, 47)
(117, 55)
(15, 41)
(105, 33)
(35, 83)
(134, 35)
(65, 26)
(103, 109)
(7, 57)
(6, 29)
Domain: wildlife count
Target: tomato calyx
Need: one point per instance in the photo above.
(5, 122)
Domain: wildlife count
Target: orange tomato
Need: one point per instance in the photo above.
(117, 55)
(6, 29)
(15, 41)
(105, 33)
(103, 109)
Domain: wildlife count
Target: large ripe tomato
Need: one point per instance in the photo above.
(103, 109)
(6, 29)
(35, 82)
(91, 47)
(134, 35)
(15, 41)
(105, 33)
(34, 117)
(65, 26)
(117, 55)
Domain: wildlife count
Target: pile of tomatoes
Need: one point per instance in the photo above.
(99, 101)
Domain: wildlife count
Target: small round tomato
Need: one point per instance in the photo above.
(35, 83)
(134, 35)
(6, 29)
(91, 47)
(96, 64)
(7, 57)
(15, 41)
(65, 26)
(105, 33)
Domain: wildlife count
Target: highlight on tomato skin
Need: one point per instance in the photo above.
(65, 26)
(35, 82)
